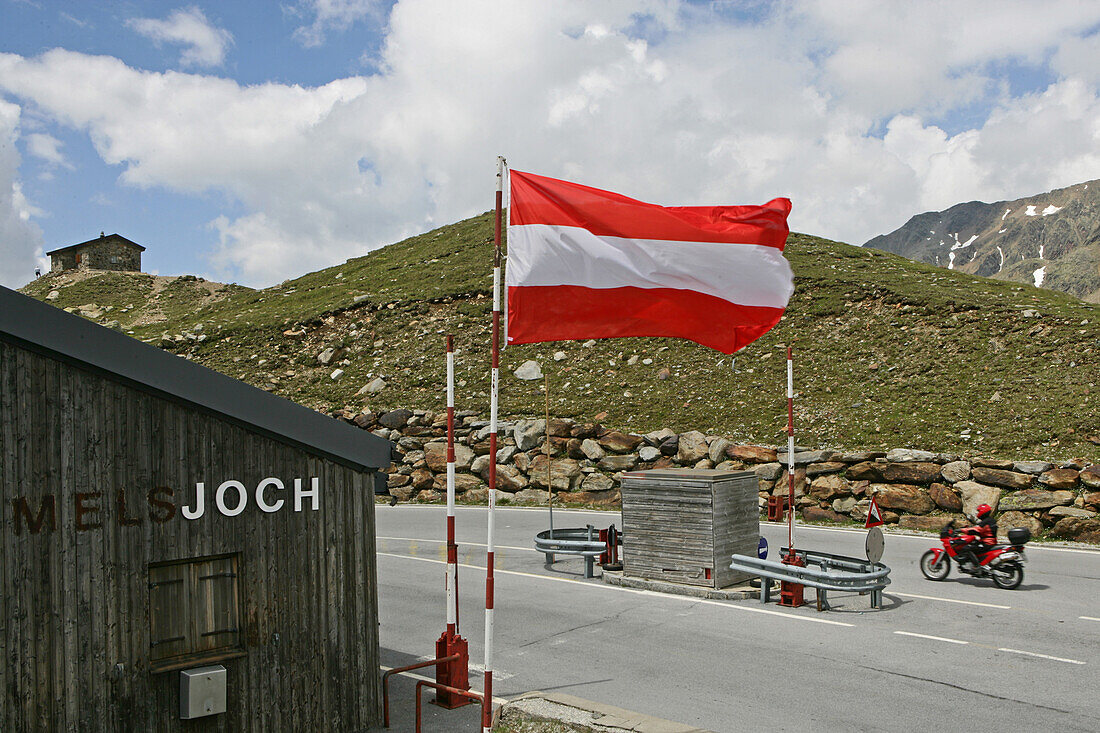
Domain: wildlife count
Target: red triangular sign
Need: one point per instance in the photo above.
(874, 515)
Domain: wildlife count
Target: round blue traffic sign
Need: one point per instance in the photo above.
(762, 549)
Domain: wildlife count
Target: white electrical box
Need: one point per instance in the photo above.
(202, 691)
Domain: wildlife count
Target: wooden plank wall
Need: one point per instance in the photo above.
(74, 629)
(678, 523)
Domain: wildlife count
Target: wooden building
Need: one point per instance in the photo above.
(105, 252)
(158, 517)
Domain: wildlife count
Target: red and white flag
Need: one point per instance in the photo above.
(585, 263)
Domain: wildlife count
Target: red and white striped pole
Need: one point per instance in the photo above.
(487, 703)
(790, 451)
(452, 546)
(454, 674)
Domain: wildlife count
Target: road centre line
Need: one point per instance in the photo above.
(472, 544)
(933, 638)
(947, 600)
(1000, 649)
(1041, 656)
(1088, 618)
(635, 591)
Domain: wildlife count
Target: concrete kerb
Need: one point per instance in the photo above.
(733, 593)
(596, 717)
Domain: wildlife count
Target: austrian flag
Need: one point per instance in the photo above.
(585, 263)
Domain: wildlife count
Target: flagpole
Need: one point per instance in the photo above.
(452, 546)
(790, 451)
(487, 702)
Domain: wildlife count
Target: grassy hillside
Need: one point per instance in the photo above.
(889, 352)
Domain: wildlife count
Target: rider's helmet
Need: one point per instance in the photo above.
(984, 510)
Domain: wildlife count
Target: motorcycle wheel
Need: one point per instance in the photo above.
(935, 570)
(1007, 575)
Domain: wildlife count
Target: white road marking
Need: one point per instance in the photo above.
(471, 544)
(947, 600)
(1088, 618)
(652, 594)
(1041, 656)
(933, 638)
(424, 678)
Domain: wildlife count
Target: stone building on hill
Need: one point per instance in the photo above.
(106, 252)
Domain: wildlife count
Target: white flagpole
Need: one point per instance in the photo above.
(487, 705)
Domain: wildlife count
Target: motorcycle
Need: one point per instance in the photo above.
(1003, 563)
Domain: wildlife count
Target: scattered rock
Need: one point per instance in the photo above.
(974, 494)
(752, 453)
(1059, 478)
(617, 442)
(1032, 467)
(911, 472)
(903, 455)
(374, 386)
(818, 514)
(1001, 477)
(395, 419)
(670, 446)
(866, 471)
(435, 457)
(532, 496)
(597, 482)
(1071, 511)
(987, 462)
(591, 450)
(1090, 477)
(618, 463)
(692, 447)
(717, 450)
(1028, 500)
(955, 471)
(1012, 520)
(528, 433)
(648, 453)
(924, 524)
(829, 487)
(844, 505)
(945, 497)
(904, 498)
(826, 467)
(1077, 528)
(768, 471)
(562, 472)
(325, 357)
(53, 295)
(529, 370)
(336, 374)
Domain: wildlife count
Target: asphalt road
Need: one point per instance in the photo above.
(959, 654)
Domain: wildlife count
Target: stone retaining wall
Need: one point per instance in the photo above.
(916, 489)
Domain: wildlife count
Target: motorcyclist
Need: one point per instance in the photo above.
(981, 536)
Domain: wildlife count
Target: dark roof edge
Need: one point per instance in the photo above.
(78, 340)
(93, 241)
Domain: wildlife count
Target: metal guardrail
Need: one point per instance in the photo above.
(585, 542)
(837, 573)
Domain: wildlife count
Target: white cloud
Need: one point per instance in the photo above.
(204, 44)
(329, 15)
(20, 239)
(48, 148)
(706, 111)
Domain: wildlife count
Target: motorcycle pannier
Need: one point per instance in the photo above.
(1019, 535)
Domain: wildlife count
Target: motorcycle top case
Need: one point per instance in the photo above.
(1019, 535)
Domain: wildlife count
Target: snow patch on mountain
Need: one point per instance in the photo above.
(1031, 211)
(1039, 275)
(1052, 209)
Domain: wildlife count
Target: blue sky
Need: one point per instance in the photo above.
(256, 141)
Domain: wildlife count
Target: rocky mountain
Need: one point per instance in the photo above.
(889, 352)
(1050, 240)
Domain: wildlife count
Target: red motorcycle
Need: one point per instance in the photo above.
(1003, 563)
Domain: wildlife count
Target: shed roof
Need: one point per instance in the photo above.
(44, 328)
(101, 238)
